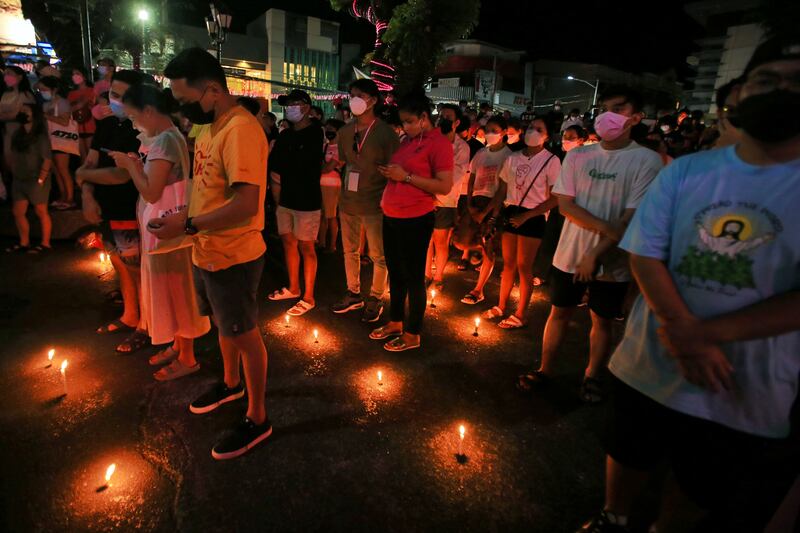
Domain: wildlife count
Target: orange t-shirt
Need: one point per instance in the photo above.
(232, 150)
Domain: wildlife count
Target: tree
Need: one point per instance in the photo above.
(410, 36)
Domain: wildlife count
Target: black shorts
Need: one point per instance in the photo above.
(444, 218)
(605, 297)
(740, 478)
(534, 227)
(230, 296)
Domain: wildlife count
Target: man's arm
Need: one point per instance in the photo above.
(585, 219)
(586, 267)
(89, 173)
(243, 205)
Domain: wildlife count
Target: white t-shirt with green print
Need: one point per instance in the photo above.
(605, 183)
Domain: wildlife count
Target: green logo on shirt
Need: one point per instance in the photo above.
(596, 174)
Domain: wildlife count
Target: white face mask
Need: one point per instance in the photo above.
(665, 128)
(46, 96)
(610, 126)
(294, 113)
(358, 105)
(533, 138)
(569, 145)
(493, 138)
(513, 138)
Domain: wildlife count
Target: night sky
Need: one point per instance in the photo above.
(625, 34)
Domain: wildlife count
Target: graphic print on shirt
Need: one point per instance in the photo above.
(728, 233)
(522, 173)
(597, 175)
(484, 176)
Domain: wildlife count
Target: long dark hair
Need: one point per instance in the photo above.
(24, 86)
(22, 140)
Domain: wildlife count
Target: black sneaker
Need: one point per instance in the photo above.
(373, 310)
(602, 523)
(239, 441)
(350, 302)
(215, 397)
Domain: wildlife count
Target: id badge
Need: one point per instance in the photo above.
(352, 181)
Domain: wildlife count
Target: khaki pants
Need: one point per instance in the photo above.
(351, 233)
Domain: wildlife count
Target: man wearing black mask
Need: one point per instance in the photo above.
(224, 219)
(707, 374)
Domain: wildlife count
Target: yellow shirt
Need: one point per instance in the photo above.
(233, 150)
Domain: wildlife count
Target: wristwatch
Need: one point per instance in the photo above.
(190, 228)
(408, 178)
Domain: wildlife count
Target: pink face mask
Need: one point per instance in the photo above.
(11, 80)
(77, 79)
(610, 126)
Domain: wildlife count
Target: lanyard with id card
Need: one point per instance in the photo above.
(353, 175)
(352, 180)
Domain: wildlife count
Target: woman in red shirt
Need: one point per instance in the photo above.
(82, 99)
(418, 171)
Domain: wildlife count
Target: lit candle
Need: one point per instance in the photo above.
(110, 472)
(461, 432)
(102, 258)
(380, 377)
(316, 336)
(286, 318)
(64, 375)
(50, 354)
(477, 323)
(433, 298)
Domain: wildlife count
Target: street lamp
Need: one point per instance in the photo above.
(593, 86)
(144, 16)
(218, 25)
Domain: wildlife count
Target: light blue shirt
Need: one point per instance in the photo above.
(730, 235)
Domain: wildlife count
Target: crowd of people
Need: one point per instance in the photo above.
(681, 229)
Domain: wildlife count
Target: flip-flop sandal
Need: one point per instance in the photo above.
(38, 249)
(382, 332)
(118, 326)
(135, 342)
(283, 294)
(300, 308)
(494, 312)
(17, 248)
(534, 379)
(512, 322)
(472, 299)
(592, 390)
(538, 282)
(399, 345)
(175, 370)
(167, 355)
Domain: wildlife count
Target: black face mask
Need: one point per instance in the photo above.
(330, 135)
(194, 113)
(445, 125)
(754, 115)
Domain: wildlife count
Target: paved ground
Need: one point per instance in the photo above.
(346, 455)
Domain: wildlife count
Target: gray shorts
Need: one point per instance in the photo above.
(230, 296)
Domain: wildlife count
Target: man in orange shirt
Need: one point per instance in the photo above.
(225, 220)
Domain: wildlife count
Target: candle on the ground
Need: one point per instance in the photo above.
(433, 298)
(286, 318)
(316, 335)
(64, 375)
(50, 354)
(461, 432)
(477, 323)
(110, 472)
(380, 377)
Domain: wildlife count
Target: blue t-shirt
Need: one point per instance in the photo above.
(729, 233)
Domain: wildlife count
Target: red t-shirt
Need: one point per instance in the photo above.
(422, 156)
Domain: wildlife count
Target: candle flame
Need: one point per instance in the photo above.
(64, 366)
(433, 293)
(286, 317)
(380, 376)
(51, 354)
(477, 322)
(110, 471)
(462, 431)
(102, 258)
(316, 334)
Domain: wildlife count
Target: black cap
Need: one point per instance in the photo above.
(774, 49)
(296, 95)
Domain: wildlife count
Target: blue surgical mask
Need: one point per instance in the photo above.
(294, 113)
(117, 108)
